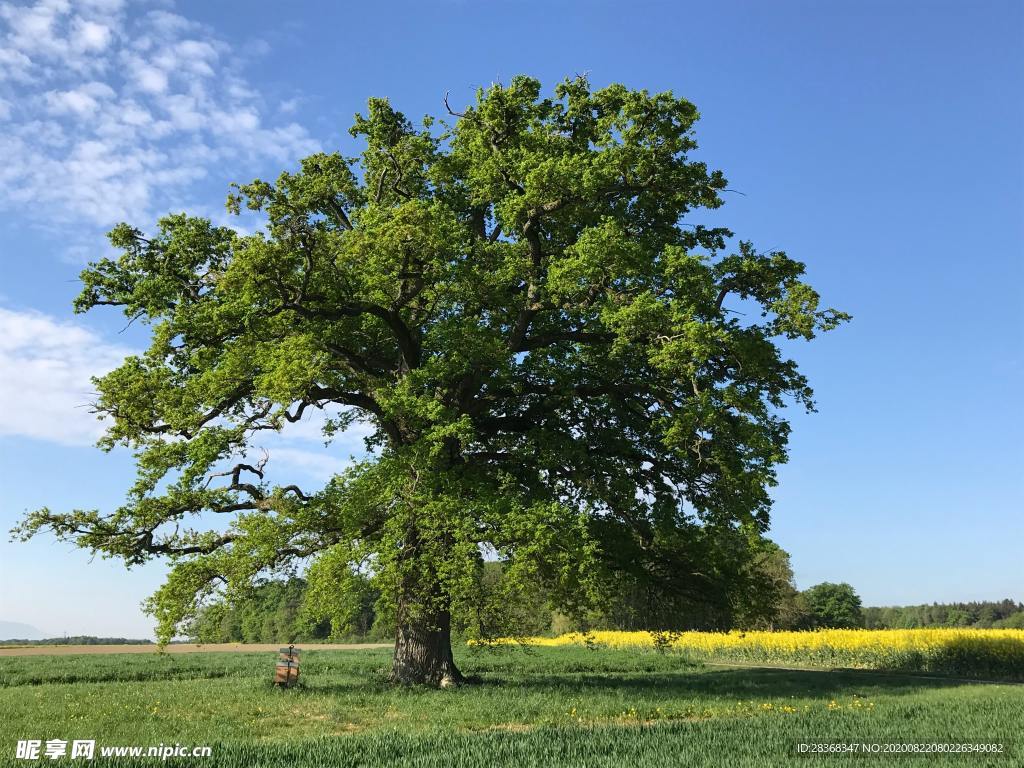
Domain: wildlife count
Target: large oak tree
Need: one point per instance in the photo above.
(559, 367)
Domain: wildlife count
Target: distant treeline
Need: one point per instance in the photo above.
(1005, 614)
(274, 613)
(763, 597)
(270, 613)
(78, 640)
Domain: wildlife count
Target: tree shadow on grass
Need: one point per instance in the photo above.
(739, 683)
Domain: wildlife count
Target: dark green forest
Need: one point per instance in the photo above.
(756, 592)
(762, 595)
(1004, 614)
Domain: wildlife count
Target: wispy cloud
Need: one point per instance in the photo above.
(113, 113)
(317, 465)
(299, 448)
(45, 387)
(46, 390)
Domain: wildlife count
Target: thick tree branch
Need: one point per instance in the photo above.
(407, 342)
(359, 400)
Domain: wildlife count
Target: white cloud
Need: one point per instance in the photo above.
(311, 427)
(53, 34)
(119, 112)
(14, 65)
(150, 79)
(46, 389)
(170, 23)
(81, 101)
(317, 465)
(134, 115)
(47, 366)
(90, 36)
(298, 451)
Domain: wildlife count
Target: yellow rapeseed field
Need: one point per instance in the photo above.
(969, 652)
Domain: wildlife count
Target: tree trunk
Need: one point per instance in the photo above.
(423, 653)
(423, 619)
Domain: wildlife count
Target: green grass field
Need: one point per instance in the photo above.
(550, 707)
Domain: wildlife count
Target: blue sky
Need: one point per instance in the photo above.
(881, 143)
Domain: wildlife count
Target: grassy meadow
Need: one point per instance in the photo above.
(542, 706)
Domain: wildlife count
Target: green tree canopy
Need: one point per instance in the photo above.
(548, 356)
(833, 605)
(767, 597)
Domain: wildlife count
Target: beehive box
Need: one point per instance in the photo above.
(286, 672)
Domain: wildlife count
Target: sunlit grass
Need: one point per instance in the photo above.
(548, 706)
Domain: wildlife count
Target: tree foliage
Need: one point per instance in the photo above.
(545, 348)
(272, 613)
(1006, 613)
(834, 606)
(768, 598)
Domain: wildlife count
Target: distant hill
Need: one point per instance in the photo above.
(77, 640)
(13, 630)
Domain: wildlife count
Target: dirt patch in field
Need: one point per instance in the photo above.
(67, 650)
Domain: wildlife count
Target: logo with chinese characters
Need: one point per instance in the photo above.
(34, 749)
